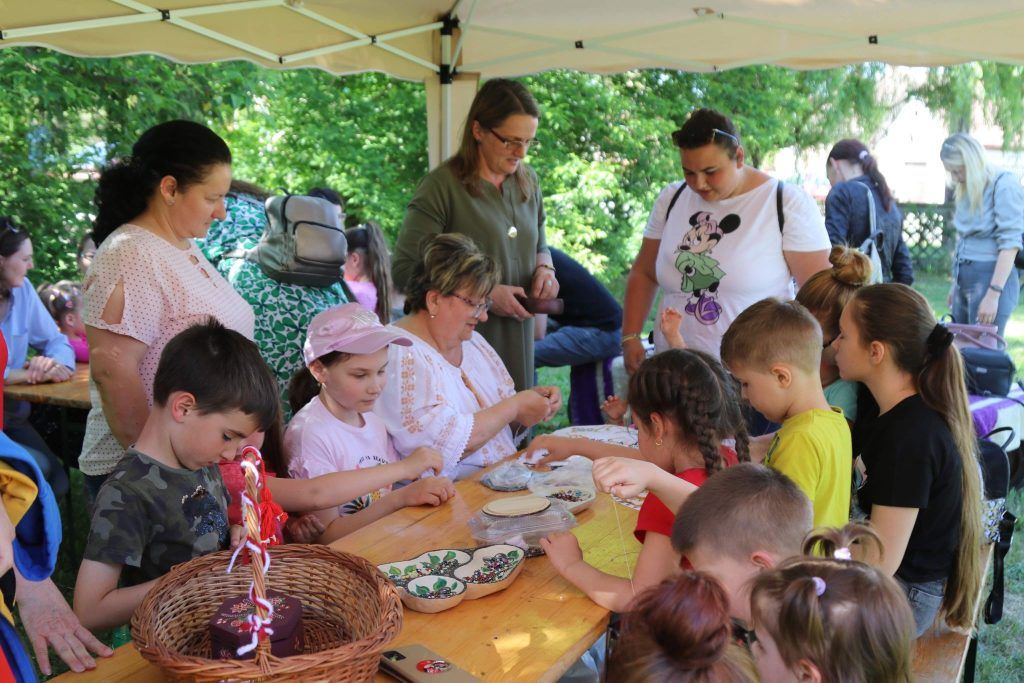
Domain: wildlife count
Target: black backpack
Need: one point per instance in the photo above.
(778, 203)
(998, 522)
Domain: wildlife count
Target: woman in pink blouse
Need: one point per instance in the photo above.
(148, 280)
(450, 390)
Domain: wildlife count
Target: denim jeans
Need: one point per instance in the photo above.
(925, 598)
(576, 346)
(971, 280)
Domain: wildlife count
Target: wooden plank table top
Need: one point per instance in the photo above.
(532, 631)
(71, 394)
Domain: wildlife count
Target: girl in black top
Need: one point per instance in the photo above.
(917, 445)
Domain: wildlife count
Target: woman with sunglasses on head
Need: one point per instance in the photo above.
(487, 192)
(989, 219)
(25, 324)
(450, 390)
(724, 237)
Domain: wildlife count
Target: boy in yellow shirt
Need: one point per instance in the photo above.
(773, 349)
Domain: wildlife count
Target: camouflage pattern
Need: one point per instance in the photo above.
(150, 517)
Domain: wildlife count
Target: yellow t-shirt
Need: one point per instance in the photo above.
(814, 449)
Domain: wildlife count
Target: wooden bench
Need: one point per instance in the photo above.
(944, 656)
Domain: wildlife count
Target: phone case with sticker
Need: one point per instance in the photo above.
(417, 664)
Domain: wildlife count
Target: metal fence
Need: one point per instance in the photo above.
(929, 234)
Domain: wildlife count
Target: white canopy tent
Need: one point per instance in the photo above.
(451, 46)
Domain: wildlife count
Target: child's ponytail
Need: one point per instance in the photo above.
(368, 240)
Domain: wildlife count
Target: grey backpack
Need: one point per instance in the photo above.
(303, 243)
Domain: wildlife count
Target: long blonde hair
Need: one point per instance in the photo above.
(901, 318)
(960, 149)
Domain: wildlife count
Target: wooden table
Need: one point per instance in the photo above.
(532, 631)
(71, 394)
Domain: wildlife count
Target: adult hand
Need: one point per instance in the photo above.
(557, 447)
(423, 459)
(554, 398)
(531, 407)
(563, 549)
(988, 307)
(633, 354)
(49, 621)
(428, 491)
(506, 304)
(37, 367)
(58, 373)
(545, 284)
(304, 529)
(623, 477)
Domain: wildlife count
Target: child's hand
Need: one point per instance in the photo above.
(7, 535)
(428, 491)
(623, 477)
(237, 535)
(558, 448)
(615, 408)
(563, 549)
(423, 459)
(305, 529)
(671, 319)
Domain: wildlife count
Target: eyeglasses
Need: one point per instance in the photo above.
(478, 309)
(9, 227)
(514, 145)
(719, 131)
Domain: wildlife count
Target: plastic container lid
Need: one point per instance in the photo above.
(525, 531)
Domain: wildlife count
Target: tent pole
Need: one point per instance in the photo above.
(445, 75)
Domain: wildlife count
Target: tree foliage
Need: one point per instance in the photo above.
(986, 89)
(605, 154)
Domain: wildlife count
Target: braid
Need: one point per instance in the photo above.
(698, 409)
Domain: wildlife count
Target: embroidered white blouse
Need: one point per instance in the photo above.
(430, 402)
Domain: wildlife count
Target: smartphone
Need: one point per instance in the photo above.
(545, 306)
(417, 664)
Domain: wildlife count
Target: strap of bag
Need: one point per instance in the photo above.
(778, 204)
(999, 430)
(872, 230)
(994, 604)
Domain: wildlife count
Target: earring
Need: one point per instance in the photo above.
(170, 202)
(659, 443)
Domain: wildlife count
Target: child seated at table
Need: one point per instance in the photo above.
(742, 521)
(684, 409)
(63, 300)
(680, 631)
(773, 349)
(334, 430)
(831, 618)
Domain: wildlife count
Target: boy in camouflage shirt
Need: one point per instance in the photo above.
(165, 503)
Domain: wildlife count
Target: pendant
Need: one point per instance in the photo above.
(512, 232)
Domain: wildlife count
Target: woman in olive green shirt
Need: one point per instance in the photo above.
(486, 192)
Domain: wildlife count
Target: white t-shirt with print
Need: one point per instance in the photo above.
(717, 258)
(318, 443)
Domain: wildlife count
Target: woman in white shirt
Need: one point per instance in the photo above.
(450, 390)
(725, 238)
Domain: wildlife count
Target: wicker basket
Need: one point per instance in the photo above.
(350, 612)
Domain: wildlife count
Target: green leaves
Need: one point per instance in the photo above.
(439, 584)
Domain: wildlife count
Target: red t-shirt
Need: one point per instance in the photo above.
(655, 515)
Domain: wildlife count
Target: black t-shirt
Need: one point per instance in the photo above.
(911, 461)
(587, 302)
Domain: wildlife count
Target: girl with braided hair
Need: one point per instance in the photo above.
(685, 405)
(680, 632)
(916, 445)
(831, 619)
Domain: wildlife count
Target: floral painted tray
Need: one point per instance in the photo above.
(441, 579)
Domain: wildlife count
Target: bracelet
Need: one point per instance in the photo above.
(996, 288)
(636, 335)
(544, 265)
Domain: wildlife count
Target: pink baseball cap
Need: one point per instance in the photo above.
(349, 328)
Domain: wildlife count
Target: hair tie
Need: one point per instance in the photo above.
(863, 155)
(939, 339)
(819, 585)
(842, 553)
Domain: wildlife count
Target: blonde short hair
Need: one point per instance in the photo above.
(773, 331)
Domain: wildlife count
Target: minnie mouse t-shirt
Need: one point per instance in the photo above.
(718, 258)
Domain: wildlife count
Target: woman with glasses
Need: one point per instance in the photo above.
(989, 219)
(725, 237)
(450, 389)
(487, 192)
(25, 324)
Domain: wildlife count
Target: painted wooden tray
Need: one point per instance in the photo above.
(440, 579)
